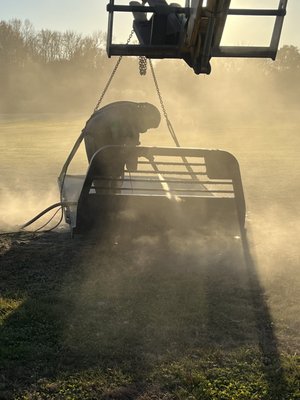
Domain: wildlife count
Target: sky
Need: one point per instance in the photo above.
(88, 16)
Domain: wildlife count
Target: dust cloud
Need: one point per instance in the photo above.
(16, 209)
(156, 291)
(242, 110)
(32, 151)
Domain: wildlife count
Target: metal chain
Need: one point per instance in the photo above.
(168, 122)
(142, 65)
(143, 68)
(112, 75)
(143, 59)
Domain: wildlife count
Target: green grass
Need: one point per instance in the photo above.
(152, 318)
(156, 317)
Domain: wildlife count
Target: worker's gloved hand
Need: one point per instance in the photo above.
(146, 153)
(131, 160)
(138, 16)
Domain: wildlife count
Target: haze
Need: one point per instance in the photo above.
(90, 16)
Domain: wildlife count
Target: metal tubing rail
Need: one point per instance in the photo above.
(171, 190)
(159, 9)
(169, 51)
(173, 173)
(244, 52)
(143, 151)
(173, 163)
(184, 181)
(256, 12)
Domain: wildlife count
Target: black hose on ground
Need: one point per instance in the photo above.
(38, 216)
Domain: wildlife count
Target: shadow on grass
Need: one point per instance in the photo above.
(267, 341)
(117, 320)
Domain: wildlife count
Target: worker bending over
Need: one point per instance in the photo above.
(118, 123)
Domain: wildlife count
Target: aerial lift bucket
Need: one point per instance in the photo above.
(169, 188)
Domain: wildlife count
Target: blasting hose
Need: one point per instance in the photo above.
(38, 216)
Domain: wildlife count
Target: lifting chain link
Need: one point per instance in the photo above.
(142, 65)
(143, 59)
(168, 122)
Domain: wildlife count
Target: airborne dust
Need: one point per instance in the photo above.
(239, 108)
(233, 109)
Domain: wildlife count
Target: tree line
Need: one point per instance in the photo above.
(51, 71)
(35, 65)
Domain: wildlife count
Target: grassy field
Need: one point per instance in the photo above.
(155, 316)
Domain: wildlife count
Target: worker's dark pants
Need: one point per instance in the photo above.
(108, 165)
